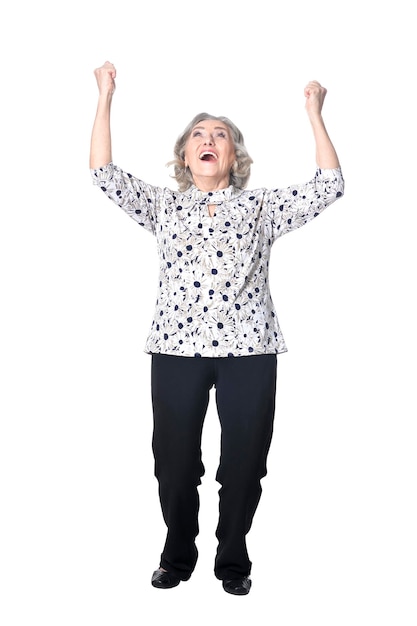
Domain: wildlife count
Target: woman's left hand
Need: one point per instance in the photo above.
(315, 94)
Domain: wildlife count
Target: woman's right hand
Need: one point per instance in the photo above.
(105, 76)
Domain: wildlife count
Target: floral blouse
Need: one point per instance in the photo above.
(214, 298)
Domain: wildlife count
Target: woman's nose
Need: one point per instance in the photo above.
(209, 140)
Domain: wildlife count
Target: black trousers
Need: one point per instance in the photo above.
(245, 398)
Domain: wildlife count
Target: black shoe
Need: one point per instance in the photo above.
(238, 586)
(164, 580)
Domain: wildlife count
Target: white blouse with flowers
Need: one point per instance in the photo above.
(214, 298)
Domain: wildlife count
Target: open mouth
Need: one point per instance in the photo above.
(208, 156)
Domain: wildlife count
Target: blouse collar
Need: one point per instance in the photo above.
(213, 197)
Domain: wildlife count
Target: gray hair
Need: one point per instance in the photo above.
(240, 171)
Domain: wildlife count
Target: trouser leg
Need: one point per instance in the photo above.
(245, 395)
(180, 395)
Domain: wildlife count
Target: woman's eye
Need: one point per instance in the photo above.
(221, 134)
(196, 133)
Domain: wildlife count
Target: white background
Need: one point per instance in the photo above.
(333, 541)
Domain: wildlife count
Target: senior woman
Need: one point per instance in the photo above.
(215, 324)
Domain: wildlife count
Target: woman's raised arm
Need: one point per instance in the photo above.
(100, 148)
(326, 156)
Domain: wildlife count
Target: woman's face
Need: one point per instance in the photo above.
(210, 153)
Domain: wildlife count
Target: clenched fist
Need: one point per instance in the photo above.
(105, 76)
(315, 94)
